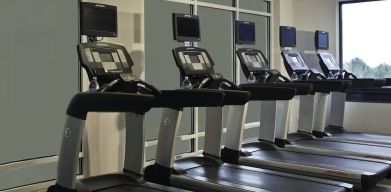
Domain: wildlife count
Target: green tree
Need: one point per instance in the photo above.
(383, 70)
(358, 67)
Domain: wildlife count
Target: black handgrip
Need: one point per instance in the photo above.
(362, 83)
(268, 92)
(387, 82)
(150, 88)
(181, 98)
(348, 75)
(324, 86)
(234, 97)
(233, 85)
(301, 88)
(346, 84)
(379, 82)
(82, 103)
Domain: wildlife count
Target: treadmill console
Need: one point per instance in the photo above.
(193, 61)
(107, 61)
(252, 60)
(328, 64)
(294, 62)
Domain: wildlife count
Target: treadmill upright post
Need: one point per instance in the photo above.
(70, 148)
(213, 130)
(337, 109)
(169, 125)
(267, 124)
(235, 126)
(320, 105)
(282, 113)
(135, 143)
(306, 111)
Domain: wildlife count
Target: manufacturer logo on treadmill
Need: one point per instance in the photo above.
(166, 121)
(236, 110)
(67, 132)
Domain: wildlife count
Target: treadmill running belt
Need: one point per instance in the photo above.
(364, 137)
(343, 164)
(129, 188)
(344, 146)
(258, 179)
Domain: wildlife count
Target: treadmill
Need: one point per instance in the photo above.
(313, 109)
(121, 91)
(330, 66)
(264, 153)
(207, 172)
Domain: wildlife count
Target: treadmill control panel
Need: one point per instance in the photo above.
(328, 63)
(193, 60)
(294, 62)
(252, 60)
(104, 59)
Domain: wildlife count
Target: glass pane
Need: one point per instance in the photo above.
(160, 68)
(218, 41)
(256, 5)
(201, 141)
(38, 77)
(181, 147)
(250, 133)
(220, 2)
(365, 43)
(26, 176)
(262, 43)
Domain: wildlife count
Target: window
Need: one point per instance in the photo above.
(365, 38)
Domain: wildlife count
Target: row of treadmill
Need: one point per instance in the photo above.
(313, 159)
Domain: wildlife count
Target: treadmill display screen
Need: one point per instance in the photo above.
(253, 58)
(287, 36)
(297, 64)
(331, 65)
(322, 40)
(106, 57)
(245, 32)
(186, 27)
(295, 59)
(194, 59)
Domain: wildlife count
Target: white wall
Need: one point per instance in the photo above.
(368, 117)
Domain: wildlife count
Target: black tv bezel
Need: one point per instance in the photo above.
(284, 28)
(317, 34)
(237, 34)
(96, 33)
(184, 38)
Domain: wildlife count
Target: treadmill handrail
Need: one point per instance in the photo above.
(181, 98)
(265, 92)
(82, 103)
(324, 86)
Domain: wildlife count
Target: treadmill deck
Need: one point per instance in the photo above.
(363, 137)
(254, 177)
(330, 162)
(345, 146)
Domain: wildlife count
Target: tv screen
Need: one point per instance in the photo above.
(98, 20)
(287, 36)
(322, 40)
(245, 32)
(186, 27)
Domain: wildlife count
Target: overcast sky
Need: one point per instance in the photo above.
(367, 32)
